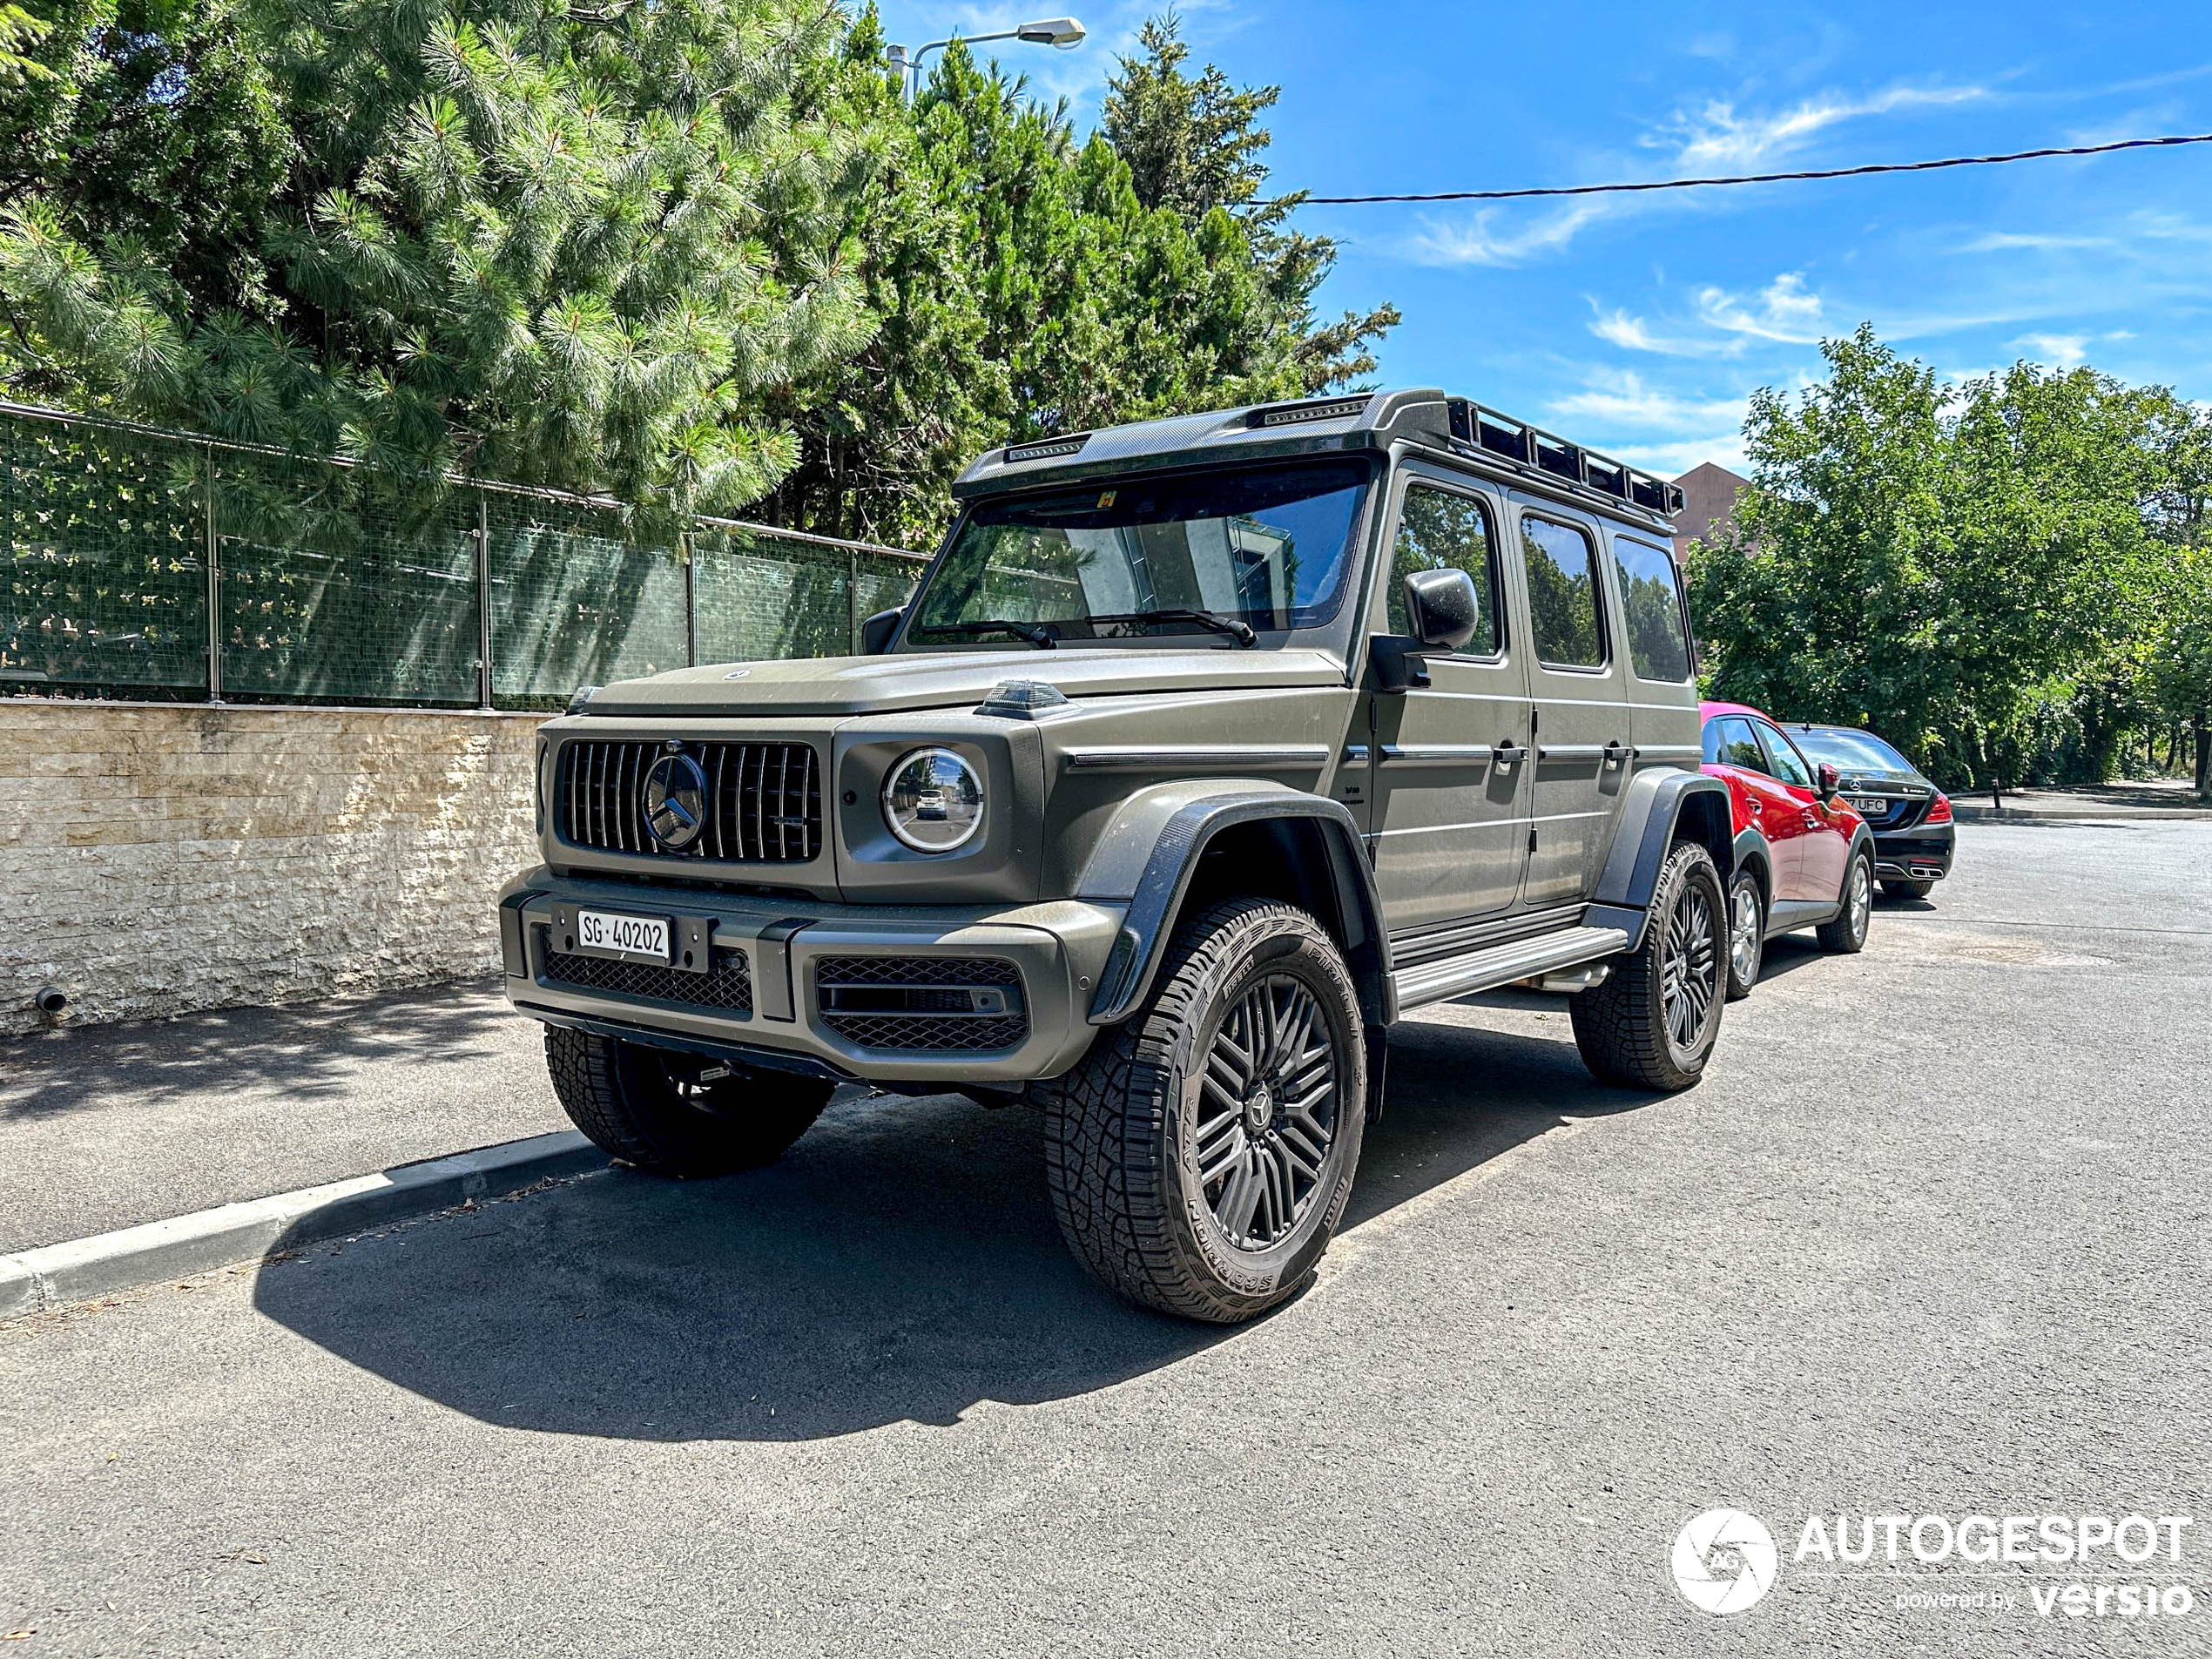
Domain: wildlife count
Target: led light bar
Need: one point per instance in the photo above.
(1335, 408)
(1045, 448)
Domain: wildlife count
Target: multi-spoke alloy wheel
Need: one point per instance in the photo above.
(1746, 934)
(1268, 1113)
(1653, 1022)
(1847, 932)
(1201, 1154)
(1689, 965)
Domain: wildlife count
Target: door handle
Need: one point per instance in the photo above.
(1757, 807)
(1616, 752)
(1505, 754)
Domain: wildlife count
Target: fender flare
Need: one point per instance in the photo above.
(1657, 803)
(1149, 855)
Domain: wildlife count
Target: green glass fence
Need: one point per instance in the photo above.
(341, 584)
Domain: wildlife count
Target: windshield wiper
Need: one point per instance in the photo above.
(1041, 638)
(1240, 631)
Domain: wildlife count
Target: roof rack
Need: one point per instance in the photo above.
(1532, 450)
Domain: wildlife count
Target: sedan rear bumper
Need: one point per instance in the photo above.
(1923, 853)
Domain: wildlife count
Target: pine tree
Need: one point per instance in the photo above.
(562, 245)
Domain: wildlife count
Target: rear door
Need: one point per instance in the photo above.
(1449, 813)
(1577, 686)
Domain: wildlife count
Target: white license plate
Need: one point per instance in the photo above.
(633, 939)
(1870, 803)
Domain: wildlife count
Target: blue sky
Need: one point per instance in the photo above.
(1639, 325)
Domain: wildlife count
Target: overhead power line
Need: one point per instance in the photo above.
(1764, 178)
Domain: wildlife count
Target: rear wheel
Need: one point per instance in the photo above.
(1653, 1023)
(1846, 934)
(1746, 934)
(680, 1115)
(1899, 889)
(1200, 1156)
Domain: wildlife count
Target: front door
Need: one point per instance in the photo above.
(1578, 686)
(1823, 830)
(1450, 758)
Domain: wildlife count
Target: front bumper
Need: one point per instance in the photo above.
(1922, 852)
(767, 1002)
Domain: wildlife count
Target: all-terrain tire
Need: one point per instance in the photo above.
(1653, 1023)
(1846, 934)
(643, 1105)
(1746, 954)
(1899, 889)
(1123, 1129)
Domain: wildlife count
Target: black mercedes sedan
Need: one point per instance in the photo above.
(1914, 836)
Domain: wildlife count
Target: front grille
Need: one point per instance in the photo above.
(766, 799)
(726, 987)
(923, 1004)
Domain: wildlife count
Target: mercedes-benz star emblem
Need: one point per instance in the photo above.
(675, 801)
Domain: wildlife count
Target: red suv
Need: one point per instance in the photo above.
(1804, 858)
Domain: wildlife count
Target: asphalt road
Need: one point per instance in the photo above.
(1931, 1236)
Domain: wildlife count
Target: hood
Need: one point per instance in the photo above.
(846, 685)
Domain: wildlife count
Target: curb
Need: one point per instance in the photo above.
(56, 1275)
(2085, 813)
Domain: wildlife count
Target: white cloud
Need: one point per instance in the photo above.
(1783, 311)
(2067, 351)
(1627, 400)
(2018, 241)
(1716, 139)
(1617, 327)
(1671, 458)
(1478, 242)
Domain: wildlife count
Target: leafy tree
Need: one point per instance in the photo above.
(553, 245)
(1947, 568)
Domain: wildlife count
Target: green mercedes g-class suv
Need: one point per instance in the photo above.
(1206, 748)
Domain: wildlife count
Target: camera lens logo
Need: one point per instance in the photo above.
(675, 801)
(1724, 1561)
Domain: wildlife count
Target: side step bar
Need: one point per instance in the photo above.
(1484, 970)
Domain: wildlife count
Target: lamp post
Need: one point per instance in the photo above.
(1066, 33)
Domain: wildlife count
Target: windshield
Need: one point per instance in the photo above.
(1851, 751)
(1266, 546)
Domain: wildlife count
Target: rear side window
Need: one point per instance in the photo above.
(1439, 530)
(1562, 595)
(1730, 741)
(1651, 602)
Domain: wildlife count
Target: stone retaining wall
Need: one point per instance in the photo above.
(156, 859)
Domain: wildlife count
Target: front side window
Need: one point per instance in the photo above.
(1270, 546)
(1730, 741)
(1562, 595)
(1651, 605)
(1439, 530)
(1787, 765)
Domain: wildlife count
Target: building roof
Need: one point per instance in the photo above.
(1708, 492)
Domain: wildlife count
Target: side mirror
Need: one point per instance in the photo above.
(1442, 607)
(879, 631)
(1832, 781)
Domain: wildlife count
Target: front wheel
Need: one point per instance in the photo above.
(1846, 934)
(1652, 1024)
(679, 1114)
(1746, 934)
(1201, 1155)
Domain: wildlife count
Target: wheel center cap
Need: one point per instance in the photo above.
(1259, 1106)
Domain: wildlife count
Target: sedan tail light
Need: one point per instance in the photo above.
(1940, 812)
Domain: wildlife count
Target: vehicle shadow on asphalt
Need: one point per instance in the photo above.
(901, 1264)
(309, 1052)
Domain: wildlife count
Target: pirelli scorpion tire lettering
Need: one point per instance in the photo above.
(1653, 1023)
(677, 1114)
(1200, 1156)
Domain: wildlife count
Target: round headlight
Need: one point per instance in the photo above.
(933, 800)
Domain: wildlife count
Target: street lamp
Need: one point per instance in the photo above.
(1064, 32)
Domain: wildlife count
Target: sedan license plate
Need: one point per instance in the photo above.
(627, 939)
(1870, 803)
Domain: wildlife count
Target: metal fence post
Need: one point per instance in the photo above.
(483, 602)
(215, 591)
(690, 551)
(852, 600)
